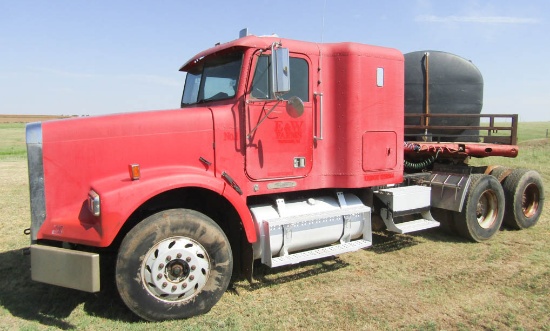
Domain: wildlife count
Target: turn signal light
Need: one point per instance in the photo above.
(94, 203)
(135, 172)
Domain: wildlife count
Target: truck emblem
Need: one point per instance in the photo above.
(289, 131)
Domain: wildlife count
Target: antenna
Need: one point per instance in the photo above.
(323, 27)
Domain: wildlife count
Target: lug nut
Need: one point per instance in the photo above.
(188, 259)
(193, 267)
(184, 285)
(164, 284)
(159, 276)
(179, 256)
(174, 288)
(161, 265)
(168, 258)
(191, 277)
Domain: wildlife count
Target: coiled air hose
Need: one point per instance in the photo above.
(418, 165)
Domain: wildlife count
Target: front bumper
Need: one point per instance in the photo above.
(65, 267)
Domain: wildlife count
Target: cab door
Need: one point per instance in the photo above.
(279, 144)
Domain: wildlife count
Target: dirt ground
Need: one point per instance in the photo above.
(28, 118)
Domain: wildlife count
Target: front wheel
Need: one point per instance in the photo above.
(483, 209)
(174, 264)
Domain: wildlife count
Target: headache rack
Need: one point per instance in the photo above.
(492, 129)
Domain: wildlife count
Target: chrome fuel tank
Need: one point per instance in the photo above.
(296, 225)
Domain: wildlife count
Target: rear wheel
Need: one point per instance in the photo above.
(524, 194)
(501, 173)
(174, 264)
(483, 209)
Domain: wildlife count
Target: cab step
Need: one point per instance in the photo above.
(319, 253)
(411, 226)
(403, 201)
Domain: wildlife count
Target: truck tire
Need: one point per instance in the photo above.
(501, 173)
(483, 209)
(524, 194)
(174, 264)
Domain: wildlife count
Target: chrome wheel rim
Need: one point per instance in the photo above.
(175, 269)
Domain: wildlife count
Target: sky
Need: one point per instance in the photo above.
(77, 57)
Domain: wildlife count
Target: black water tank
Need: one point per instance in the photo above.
(455, 87)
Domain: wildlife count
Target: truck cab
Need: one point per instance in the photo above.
(349, 96)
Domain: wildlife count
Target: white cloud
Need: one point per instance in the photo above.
(477, 19)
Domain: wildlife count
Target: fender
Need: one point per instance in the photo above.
(118, 202)
(120, 197)
(239, 203)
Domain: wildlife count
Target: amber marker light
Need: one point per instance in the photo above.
(135, 172)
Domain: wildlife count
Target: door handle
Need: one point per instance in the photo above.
(320, 103)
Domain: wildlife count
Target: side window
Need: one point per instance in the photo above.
(299, 79)
(261, 85)
(191, 90)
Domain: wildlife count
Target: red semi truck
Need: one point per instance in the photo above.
(282, 151)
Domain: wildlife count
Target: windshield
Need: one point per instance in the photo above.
(216, 78)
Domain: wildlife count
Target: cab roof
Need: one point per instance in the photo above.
(305, 47)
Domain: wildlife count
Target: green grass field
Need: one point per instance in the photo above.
(424, 281)
(12, 142)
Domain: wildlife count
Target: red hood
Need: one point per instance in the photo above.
(82, 153)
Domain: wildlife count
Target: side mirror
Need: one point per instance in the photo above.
(280, 70)
(295, 107)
